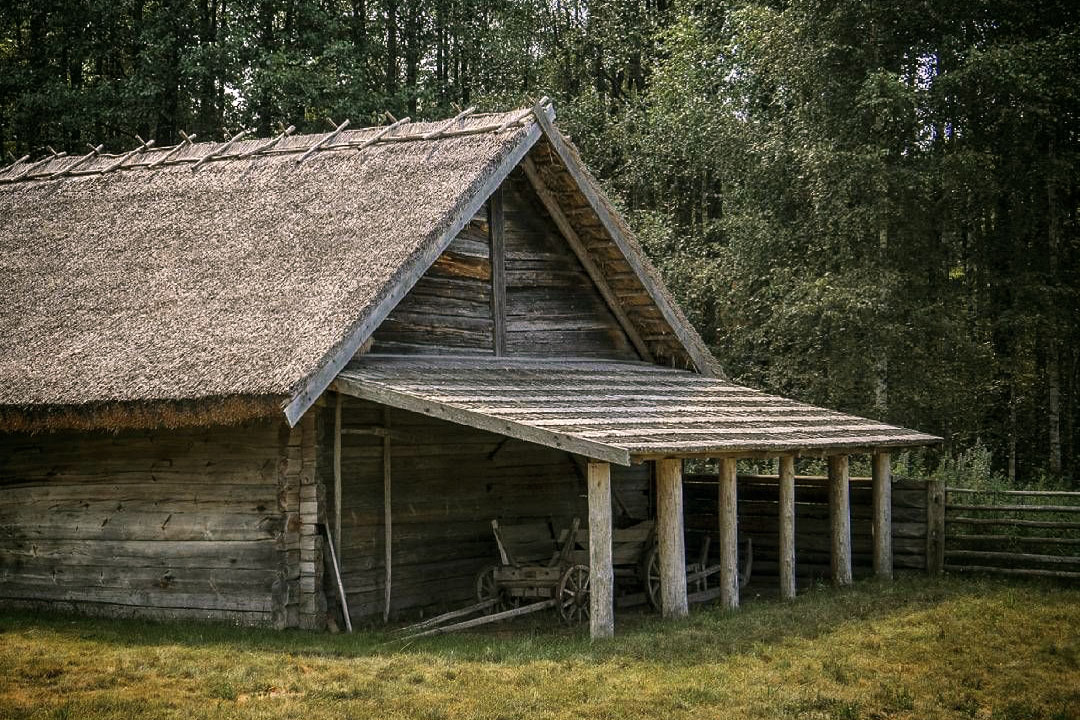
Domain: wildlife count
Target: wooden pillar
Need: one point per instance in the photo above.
(840, 519)
(337, 476)
(787, 527)
(729, 534)
(388, 538)
(883, 555)
(669, 521)
(601, 572)
(497, 249)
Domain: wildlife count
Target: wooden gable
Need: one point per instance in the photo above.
(508, 284)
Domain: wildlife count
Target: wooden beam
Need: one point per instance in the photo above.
(729, 534)
(840, 519)
(883, 552)
(338, 356)
(693, 344)
(497, 247)
(935, 526)
(787, 527)
(551, 204)
(669, 511)
(561, 441)
(337, 473)
(601, 572)
(388, 538)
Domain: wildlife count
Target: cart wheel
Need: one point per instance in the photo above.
(573, 594)
(487, 589)
(651, 579)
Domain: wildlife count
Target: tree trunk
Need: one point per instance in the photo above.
(390, 84)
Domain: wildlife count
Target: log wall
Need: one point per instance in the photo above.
(758, 519)
(448, 483)
(195, 523)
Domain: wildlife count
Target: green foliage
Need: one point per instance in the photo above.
(866, 205)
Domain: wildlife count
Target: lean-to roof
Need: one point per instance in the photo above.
(613, 410)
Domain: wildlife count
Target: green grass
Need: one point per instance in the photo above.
(953, 648)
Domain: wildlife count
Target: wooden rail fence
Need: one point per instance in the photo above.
(1009, 532)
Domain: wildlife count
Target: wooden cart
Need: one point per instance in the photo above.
(535, 563)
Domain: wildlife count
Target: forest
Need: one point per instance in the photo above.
(866, 205)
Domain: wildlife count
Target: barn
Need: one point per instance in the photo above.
(223, 360)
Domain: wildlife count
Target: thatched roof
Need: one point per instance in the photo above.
(255, 269)
(238, 278)
(614, 410)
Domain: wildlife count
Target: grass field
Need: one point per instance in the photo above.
(914, 649)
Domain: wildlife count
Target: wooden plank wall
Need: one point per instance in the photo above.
(449, 309)
(758, 519)
(192, 523)
(553, 308)
(447, 487)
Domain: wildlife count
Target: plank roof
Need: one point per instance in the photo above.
(613, 410)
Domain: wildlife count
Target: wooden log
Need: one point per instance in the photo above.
(337, 473)
(935, 527)
(601, 573)
(388, 537)
(1011, 557)
(670, 534)
(1010, 539)
(727, 512)
(787, 527)
(840, 520)
(451, 615)
(1013, 508)
(1029, 572)
(496, 617)
(1048, 524)
(337, 577)
(883, 551)
(1048, 493)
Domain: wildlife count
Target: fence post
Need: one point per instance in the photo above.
(935, 527)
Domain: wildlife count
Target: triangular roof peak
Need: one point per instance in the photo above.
(258, 268)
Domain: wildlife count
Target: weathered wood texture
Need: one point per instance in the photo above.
(759, 519)
(840, 519)
(670, 533)
(882, 480)
(786, 538)
(201, 523)
(727, 510)
(553, 307)
(601, 573)
(1013, 532)
(449, 482)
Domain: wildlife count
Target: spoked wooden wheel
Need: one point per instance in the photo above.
(651, 576)
(488, 589)
(573, 594)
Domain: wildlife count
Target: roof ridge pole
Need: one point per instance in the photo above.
(94, 152)
(218, 151)
(449, 123)
(187, 142)
(36, 164)
(383, 132)
(143, 147)
(522, 115)
(269, 143)
(327, 138)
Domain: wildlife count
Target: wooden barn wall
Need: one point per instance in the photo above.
(448, 483)
(552, 306)
(193, 523)
(758, 519)
(449, 310)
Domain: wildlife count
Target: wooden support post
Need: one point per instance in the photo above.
(497, 248)
(601, 572)
(935, 527)
(787, 527)
(840, 519)
(337, 475)
(388, 538)
(669, 510)
(729, 533)
(883, 555)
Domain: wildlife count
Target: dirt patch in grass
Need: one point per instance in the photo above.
(916, 648)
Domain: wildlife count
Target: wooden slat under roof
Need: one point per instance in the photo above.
(612, 410)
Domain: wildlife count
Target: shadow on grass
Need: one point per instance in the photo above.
(708, 634)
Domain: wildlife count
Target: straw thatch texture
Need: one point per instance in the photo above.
(237, 278)
(643, 409)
